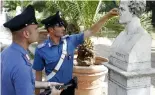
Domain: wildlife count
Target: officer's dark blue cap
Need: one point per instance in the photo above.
(54, 20)
(27, 17)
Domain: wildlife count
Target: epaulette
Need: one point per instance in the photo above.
(66, 36)
(41, 45)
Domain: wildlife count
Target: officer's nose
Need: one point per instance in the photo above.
(63, 28)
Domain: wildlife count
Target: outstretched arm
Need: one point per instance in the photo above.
(97, 26)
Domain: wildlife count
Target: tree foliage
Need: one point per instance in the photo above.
(78, 13)
(150, 6)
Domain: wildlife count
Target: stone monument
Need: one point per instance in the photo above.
(130, 59)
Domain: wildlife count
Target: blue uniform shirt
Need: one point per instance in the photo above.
(17, 76)
(47, 56)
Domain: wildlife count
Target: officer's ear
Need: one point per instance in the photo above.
(26, 34)
(50, 29)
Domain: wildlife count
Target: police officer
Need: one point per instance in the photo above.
(17, 76)
(56, 53)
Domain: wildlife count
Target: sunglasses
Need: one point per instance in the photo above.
(60, 24)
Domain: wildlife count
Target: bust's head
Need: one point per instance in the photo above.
(130, 8)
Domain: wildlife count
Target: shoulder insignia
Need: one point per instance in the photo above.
(66, 36)
(41, 45)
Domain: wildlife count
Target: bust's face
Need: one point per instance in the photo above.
(125, 14)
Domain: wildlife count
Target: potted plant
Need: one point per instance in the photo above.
(89, 70)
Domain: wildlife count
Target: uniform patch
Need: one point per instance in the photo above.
(27, 56)
(27, 59)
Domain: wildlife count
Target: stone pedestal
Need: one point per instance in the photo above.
(121, 82)
(153, 65)
(129, 65)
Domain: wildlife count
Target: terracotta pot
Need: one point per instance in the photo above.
(90, 79)
(42, 35)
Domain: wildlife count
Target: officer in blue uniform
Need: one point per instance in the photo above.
(17, 77)
(48, 54)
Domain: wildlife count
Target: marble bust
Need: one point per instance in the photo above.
(132, 47)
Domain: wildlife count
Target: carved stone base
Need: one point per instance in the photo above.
(121, 82)
(153, 64)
